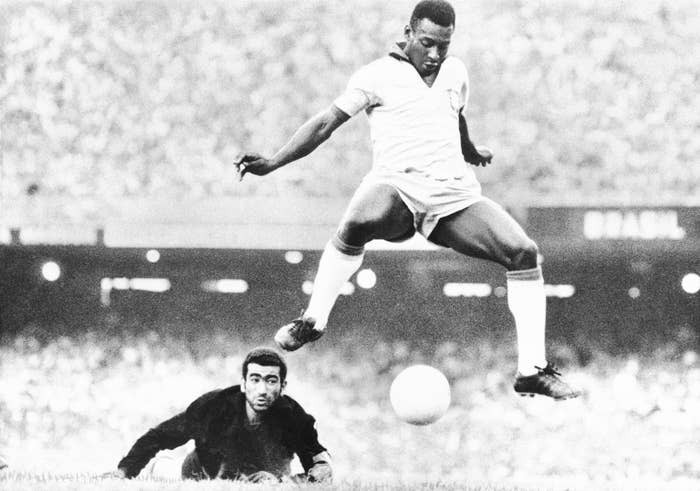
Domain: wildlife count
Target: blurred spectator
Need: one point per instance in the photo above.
(104, 102)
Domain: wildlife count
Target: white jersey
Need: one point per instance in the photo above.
(414, 127)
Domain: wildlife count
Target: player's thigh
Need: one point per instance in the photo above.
(487, 231)
(376, 211)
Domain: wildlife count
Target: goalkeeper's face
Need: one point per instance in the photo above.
(427, 44)
(262, 386)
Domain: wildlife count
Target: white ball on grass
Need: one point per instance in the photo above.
(420, 395)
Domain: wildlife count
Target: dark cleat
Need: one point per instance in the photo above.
(546, 382)
(300, 331)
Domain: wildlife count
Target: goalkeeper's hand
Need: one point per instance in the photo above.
(321, 472)
(115, 474)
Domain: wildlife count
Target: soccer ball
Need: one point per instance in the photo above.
(420, 394)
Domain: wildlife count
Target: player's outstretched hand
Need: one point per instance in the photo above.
(262, 477)
(320, 472)
(253, 163)
(482, 156)
(115, 474)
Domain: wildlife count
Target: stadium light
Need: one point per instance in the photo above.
(307, 287)
(156, 285)
(560, 291)
(225, 286)
(366, 278)
(51, 271)
(466, 289)
(293, 257)
(347, 289)
(153, 256)
(691, 283)
(120, 283)
(105, 291)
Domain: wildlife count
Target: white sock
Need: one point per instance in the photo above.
(527, 303)
(334, 269)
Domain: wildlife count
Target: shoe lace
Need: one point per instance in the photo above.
(302, 327)
(299, 325)
(549, 370)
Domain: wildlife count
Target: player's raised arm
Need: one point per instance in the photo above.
(304, 141)
(474, 154)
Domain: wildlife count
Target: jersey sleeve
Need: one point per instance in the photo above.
(359, 94)
(304, 436)
(309, 446)
(167, 435)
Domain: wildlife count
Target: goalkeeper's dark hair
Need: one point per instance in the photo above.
(438, 11)
(266, 357)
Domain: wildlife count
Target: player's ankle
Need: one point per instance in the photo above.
(525, 370)
(319, 322)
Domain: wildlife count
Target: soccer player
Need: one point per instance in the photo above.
(416, 103)
(247, 432)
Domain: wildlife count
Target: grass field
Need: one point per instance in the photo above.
(70, 409)
(81, 482)
(15, 481)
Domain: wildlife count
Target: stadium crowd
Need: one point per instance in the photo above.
(104, 101)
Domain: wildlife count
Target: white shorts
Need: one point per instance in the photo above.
(429, 199)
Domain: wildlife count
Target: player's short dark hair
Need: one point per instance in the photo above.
(266, 357)
(438, 11)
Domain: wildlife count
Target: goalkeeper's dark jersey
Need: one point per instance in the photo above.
(226, 446)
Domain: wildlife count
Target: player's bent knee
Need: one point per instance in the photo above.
(524, 256)
(357, 231)
(345, 248)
